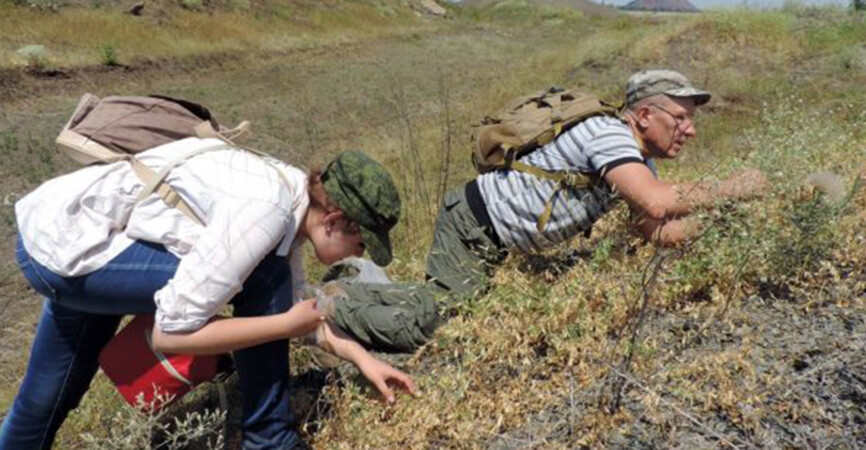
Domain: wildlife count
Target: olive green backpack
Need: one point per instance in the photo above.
(529, 122)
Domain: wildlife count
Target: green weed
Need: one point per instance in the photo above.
(108, 55)
(852, 58)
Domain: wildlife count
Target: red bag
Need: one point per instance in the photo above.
(149, 379)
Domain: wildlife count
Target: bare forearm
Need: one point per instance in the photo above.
(742, 185)
(379, 373)
(656, 200)
(224, 335)
(651, 198)
(689, 197)
(337, 342)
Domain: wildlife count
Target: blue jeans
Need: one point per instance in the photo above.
(81, 314)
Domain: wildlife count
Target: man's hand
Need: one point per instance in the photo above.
(383, 376)
(668, 233)
(745, 184)
(303, 318)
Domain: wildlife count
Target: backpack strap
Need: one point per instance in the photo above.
(98, 152)
(582, 180)
(163, 360)
(566, 182)
(563, 115)
(563, 179)
(228, 135)
(154, 182)
(85, 150)
(164, 191)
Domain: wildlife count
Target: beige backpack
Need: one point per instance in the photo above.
(529, 122)
(117, 128)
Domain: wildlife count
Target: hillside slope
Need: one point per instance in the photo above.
(752, 336)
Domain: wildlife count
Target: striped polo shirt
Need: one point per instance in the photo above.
(515, 199)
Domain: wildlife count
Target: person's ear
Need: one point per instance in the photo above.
(331, 220)
(643, 117)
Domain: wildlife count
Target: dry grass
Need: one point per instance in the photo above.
(750, 337)
(73, 37)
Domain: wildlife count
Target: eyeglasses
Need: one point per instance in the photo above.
(682, 121)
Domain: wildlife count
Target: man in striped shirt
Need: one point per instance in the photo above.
(499, 211)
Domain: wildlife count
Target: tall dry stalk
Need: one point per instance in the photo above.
(446, 142)
(416, 173)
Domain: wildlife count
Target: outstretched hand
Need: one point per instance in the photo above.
(385, 377)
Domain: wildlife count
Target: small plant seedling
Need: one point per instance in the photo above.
(108, 55)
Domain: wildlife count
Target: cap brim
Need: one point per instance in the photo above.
(378, 246)
(700, 96)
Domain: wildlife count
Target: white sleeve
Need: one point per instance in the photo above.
(238, 236)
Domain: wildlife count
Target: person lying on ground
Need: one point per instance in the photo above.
(96, 255)
(498, 212)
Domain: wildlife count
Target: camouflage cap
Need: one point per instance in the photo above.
(647, 83)
(365, 192)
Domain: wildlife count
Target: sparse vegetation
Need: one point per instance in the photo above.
(108, 55)
(35, 57)
(192, 5)
(131, 429)
(167, 31)
(751, 336)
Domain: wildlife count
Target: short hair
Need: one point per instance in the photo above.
(645, 102)
(318, 197)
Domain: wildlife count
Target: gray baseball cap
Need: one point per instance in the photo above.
(647, 83)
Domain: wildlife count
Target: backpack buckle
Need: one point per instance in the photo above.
(574, 180)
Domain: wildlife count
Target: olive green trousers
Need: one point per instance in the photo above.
(400, 317)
